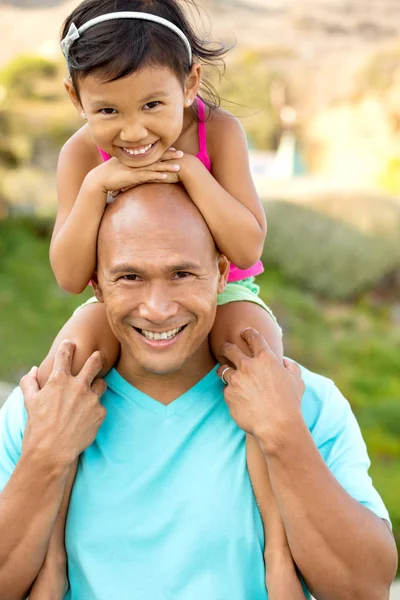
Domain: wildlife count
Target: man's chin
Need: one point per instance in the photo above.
(168, 368)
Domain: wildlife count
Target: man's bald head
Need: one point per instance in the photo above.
(161, 207)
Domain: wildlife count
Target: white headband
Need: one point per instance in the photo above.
(74, 33)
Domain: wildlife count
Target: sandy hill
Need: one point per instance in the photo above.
(322, 41)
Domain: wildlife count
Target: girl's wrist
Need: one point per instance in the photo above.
(190, 166)
(93, 187)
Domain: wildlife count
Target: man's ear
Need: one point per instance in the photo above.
(96, 288)
(223, 269)
(69, 86)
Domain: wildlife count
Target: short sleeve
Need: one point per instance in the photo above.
(340, 442)
(12, 424)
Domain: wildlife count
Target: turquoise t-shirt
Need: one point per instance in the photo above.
(162, 507)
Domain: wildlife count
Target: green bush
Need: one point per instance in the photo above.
(24, 75)
(245, 92)
(325, 255)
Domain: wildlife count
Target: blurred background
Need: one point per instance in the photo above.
(316, 85)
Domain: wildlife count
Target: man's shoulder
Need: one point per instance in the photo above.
(13, 419)
(14, 401)
(318, 387)
(13, 414)
(322, 404)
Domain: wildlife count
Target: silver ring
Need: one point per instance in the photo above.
(223, 373)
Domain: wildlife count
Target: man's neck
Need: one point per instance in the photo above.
(165, 388)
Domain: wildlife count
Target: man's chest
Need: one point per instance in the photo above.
(176, 495)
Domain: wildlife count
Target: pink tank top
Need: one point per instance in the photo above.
(235, 274)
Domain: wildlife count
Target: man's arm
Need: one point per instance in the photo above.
(63, 420)
(29, 505)
(343, 550)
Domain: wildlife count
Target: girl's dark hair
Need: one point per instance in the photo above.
(117, 48)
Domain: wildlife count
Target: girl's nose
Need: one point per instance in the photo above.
(133, 132)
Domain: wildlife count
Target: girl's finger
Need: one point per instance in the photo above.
(171, 154)
(165, 166)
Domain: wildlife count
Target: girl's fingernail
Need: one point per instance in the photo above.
(176, 167)
(173, 149)
(179, 153)
(163, 175)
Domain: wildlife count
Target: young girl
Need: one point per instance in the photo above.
(135, 75)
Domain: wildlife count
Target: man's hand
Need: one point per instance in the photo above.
(261, 393)
(64, 416)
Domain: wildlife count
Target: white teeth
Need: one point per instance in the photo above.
(137, 152)
(165, 335)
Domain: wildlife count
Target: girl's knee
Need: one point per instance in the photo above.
(232, 318)
(88, 329)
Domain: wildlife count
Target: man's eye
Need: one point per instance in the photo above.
(151, 105)
(182, 274)
(130, 277)
(108, 111)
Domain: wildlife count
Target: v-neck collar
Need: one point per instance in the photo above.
(117, 383)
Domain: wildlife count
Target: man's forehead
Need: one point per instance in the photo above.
(154, 221)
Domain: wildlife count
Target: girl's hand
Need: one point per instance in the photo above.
(114, 176)
(183, 164)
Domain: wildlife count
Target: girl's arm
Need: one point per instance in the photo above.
(227, 198)
(72, 249)
(82, 184)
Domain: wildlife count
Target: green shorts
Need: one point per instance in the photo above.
(245, 290)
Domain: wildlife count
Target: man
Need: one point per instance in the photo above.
(162, 506)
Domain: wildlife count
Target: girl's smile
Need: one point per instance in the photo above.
(138, 152)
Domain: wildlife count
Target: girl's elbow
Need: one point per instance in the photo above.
(249, 256)
(247, 261)
(69, 285)
(65, 281)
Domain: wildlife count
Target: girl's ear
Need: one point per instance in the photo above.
(192, 84)
(69, 86)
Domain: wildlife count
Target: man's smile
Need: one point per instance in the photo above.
(160, 339)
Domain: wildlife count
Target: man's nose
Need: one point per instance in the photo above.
(158, 305)
(133, 131)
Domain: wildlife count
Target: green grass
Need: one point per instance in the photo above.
(355, 344)
(358, 347)
(32, 307)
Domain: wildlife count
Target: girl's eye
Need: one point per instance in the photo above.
(108, 111)
(151, 105)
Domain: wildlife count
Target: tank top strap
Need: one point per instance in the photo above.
(202, 133)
